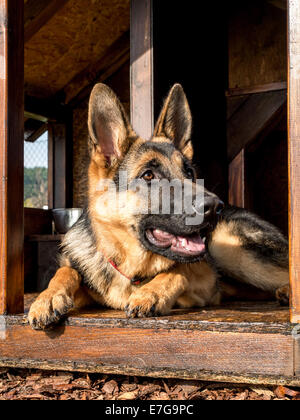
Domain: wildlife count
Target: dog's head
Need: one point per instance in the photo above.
(148, 178)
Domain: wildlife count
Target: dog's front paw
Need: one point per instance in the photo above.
(283, 295)
(145, 304)
(49, 308)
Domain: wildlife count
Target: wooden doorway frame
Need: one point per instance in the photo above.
(231, 350)
(294, 154)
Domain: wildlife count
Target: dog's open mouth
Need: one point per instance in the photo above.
(191, 245)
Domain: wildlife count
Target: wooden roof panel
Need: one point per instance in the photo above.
(77, 36)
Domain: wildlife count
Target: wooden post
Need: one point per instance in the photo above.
(294, 153)
(60, 165)
(11, 156)
(236, 184)
(141, 67)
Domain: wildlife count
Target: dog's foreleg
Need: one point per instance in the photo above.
(252, 251)
(57, 299)
(156, 297)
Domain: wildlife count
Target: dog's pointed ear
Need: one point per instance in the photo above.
(175, 121)
(109, 127)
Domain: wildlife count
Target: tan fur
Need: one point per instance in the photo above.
(57, 299)
(239, 263)
(112, 234)
(202, 286)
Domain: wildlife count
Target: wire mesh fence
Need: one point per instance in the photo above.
(36, 172)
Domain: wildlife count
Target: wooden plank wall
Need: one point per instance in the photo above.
(254, 117)
(257, 44)
(11, 155)
(294, 155)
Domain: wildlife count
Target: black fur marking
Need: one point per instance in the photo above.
(166, 149)
(175, 224)
(270, 245)
(153, 164)
(76, 267)
(83, 227)
(157, 168)
(138, 279)
(188, 167)
(86, 224)
(108, 275)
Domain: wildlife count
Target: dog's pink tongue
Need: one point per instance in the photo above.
(160, 235)
(183, 244)
(192, 243)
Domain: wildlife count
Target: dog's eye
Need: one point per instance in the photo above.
(148, 176)
(190, 173)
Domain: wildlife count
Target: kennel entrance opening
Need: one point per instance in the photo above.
(253, 342)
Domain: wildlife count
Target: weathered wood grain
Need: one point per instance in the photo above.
(281, 4)
(268, 87)
(238, 342)
(45, 109)
(257, 46)
(37, 13)
(81, 85)
(164, 349)
(236, 185)
(294, 155)
(11, 155)
(247, 314)
(252, 118)
(233, 104)
(37, 221)
(141, 67)
(32, 133)
(296, 335)
(61, 164)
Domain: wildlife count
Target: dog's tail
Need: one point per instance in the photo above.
(246, 248)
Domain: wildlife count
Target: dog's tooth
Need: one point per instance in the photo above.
(184, 242)
(159, 231)
(204, 239)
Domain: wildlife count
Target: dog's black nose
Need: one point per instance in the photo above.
(212, 206)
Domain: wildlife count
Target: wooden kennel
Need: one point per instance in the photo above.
(256, 342)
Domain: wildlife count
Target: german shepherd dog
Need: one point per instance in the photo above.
(145, 264)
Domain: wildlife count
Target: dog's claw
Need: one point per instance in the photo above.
(49, 309)
(152, 311)
(34, 324)
(57, 314)
(143, 304)
(129, 312)
(137, 312)
(134, 312)
(282, 295)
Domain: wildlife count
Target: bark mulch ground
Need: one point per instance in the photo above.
(17, 384)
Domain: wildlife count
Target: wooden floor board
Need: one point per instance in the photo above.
(233, 312)
(239, 342)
